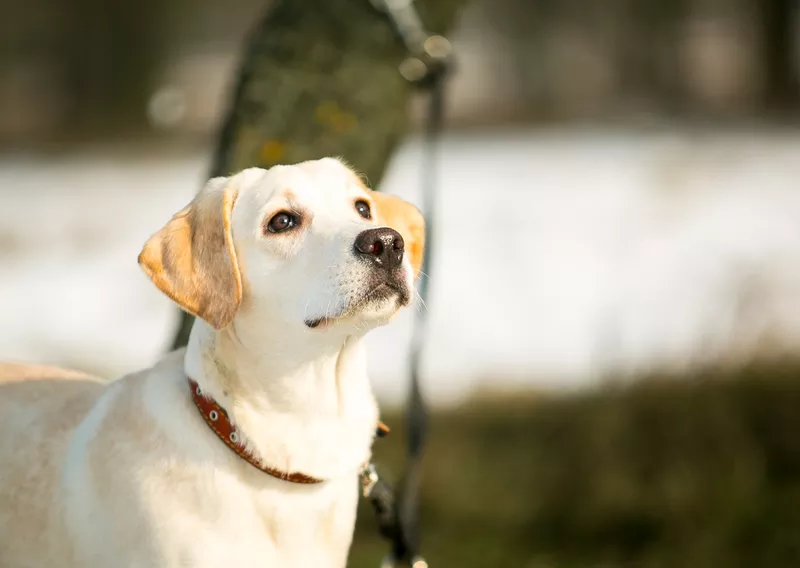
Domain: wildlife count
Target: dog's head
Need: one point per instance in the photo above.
(306, 246)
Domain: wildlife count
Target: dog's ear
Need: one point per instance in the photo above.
(407, 220)
(193, 260)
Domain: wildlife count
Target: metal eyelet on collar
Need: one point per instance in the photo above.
(218, 421)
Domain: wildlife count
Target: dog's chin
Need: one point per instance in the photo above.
(375, 307)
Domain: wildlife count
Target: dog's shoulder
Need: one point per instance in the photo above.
(40, 406)
(42, 389)
(43, 400)
(70, 439)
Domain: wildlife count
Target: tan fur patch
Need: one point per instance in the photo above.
(193, 260)
(22, 372)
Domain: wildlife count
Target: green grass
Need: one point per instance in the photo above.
(700, 473)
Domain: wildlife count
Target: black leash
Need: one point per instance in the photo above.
(426, 67)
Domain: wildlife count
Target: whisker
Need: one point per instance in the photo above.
(422, 303)
(328, 309)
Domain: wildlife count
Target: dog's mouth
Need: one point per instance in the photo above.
(383, 292)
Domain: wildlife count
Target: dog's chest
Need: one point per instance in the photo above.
(288, 526)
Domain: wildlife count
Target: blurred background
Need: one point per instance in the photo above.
(615, 302)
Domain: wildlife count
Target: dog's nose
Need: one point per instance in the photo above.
(382, 246)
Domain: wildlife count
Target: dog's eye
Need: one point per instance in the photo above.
(281, 222)
(363, 209)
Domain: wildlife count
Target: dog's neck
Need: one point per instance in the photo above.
(305, 407)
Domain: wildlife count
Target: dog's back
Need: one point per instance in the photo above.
(40, 407)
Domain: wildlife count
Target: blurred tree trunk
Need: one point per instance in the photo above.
(319, 78)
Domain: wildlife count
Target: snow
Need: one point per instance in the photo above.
(561, 256)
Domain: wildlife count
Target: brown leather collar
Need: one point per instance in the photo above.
(218, 420)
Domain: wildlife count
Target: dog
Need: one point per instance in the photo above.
(244, 448)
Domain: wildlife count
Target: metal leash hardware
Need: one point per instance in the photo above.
(382, 497)
(426, 66)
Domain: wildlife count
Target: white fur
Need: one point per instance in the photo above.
(128, 473)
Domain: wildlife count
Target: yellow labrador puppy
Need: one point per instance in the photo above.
(244, 448)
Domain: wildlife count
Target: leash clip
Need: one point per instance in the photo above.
(369, 479)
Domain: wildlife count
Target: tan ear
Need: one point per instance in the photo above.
(193, 260)
(407, 220)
